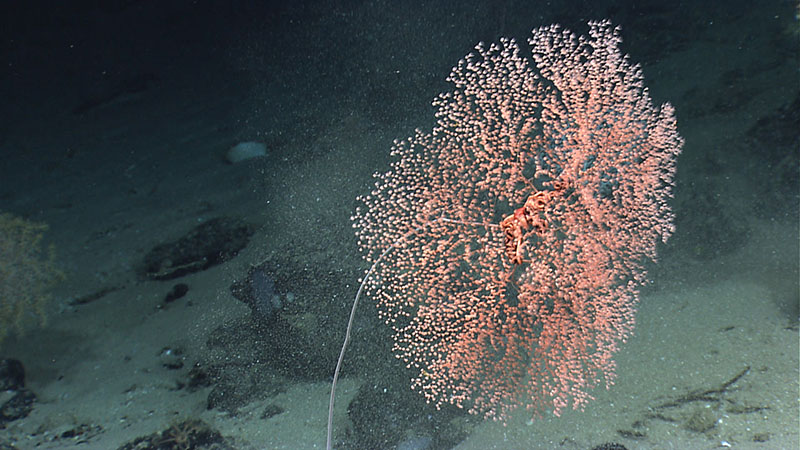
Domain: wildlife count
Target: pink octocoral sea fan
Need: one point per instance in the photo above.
(508, 244)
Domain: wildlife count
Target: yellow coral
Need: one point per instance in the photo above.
(27, 273)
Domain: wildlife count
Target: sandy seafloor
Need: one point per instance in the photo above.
(327, 88)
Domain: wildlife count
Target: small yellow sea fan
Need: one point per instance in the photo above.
(27, 273)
